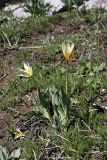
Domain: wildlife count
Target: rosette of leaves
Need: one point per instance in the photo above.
(54, 105)
(37, 7)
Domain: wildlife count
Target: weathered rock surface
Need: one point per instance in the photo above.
(19, 12)
(92, 4)
(11, 7)
(57, 5)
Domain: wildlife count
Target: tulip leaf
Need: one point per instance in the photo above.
(43, 107)
(65, 101)
(54, 96)
(3, 153)
(99, 68)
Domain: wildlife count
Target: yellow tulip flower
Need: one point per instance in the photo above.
(26, 72)
(19, 134)
(67, 49)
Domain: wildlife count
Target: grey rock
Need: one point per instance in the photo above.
(93, 4)
(21, 14)
(56, 5)
(11, 7)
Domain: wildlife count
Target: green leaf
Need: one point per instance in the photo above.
(43, 102)
(43, 107)
(65, 101)
(44, 111)
(99, 68)
(54, 96)
(3, 153)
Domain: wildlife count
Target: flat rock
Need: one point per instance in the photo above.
(18, 10)
(56, 5)
(11, 7)
(93, 4)
(21, 14)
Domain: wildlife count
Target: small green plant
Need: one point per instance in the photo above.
(10, 33)
(54, 105)
(93, 15)
(30, 149)
(39, 24)
(70, 4)
(37, 7)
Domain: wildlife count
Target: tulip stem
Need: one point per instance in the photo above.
(67, 72)
(34, 80)
(35, 83)
(66, 83)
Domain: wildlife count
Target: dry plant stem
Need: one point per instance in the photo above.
(1, 78)
(35, 83)
(29, 47)
(24, 47)
(67, 73)
(87, 126)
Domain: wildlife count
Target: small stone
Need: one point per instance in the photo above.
(104, 107)
(21, 14)
(56, 5)
(98, 101)
(93, 4)
(11, 7)
(94, 104)
(103, 90)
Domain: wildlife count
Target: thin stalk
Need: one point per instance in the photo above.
(66, 82)
(67, 74)
(33, 79)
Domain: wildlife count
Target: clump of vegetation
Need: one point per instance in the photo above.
(37, 7)
(71, 4)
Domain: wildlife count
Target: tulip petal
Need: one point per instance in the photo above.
(26, 72)
(67, 49)
(21, 70)
(72, 46)
(26, 67)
